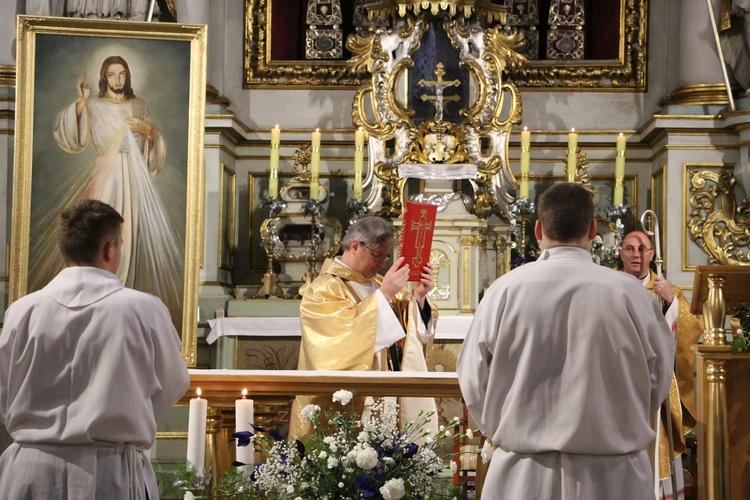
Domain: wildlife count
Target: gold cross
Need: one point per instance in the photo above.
(422, 226)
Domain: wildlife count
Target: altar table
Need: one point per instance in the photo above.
(225, 331)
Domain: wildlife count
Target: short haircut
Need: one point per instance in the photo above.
(83, 227)
(370, 230)
(566, 211)
(127, 88)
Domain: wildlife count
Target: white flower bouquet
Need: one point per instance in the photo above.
(350, 457)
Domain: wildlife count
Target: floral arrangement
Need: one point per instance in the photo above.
(742, 334)
(348, 457)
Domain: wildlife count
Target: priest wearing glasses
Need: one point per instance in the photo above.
(636, 254)
(355, 319)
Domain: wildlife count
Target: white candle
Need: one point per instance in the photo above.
(196, 443)
(617, 197)
(359, 147)
(243, 415)
(523, 187)
(572, 159)
(273, 178)
(315, 165)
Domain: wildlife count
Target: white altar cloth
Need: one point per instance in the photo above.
(448, 327)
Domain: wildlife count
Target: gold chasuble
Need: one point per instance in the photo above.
(339, 331)
(682, 390)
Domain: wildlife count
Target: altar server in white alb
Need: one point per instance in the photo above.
(563, 366)
(87, 369)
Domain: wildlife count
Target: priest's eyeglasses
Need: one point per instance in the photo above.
(377, 255)
(630, 249)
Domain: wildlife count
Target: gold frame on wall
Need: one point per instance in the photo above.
(228, 221)
(626, 73)
(659, 183)
(40, 41)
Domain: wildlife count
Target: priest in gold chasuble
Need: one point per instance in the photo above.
(636, 254)
(355, 319)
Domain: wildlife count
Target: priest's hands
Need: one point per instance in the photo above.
(423, 287)
(663, 289)
(395, 279)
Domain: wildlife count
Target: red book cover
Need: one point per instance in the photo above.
(416, 236)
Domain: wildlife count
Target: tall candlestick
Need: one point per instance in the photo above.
(315, 165)
(359, 151)
(572, 159)
(196, 442)
(523, 188)
(273, 178)
(617, 197)
(244, 416)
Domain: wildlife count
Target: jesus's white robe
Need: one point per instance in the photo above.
(561, 367)
(123, 177)
(87, 369)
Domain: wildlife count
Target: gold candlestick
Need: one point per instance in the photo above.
(270, 287)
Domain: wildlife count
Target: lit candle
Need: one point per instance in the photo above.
(525, 156)
(273, 178)
(315, 165)
(196, 443)
(243, 415)
(359, 151)
(617, 197)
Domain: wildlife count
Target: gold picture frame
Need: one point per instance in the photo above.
(58, 59)
(227, 217)
(625, 73)
(657, 203)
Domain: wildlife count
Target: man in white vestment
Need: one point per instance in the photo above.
(563, 365)
(636, 253)
(353, 318)
(87, 369)
(130, 152)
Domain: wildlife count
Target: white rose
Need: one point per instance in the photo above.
(486, 451)
(188, 495)
(342, 396)
(332, 462)
(310, 412)
(367, 458)
(393, 489)
(290, 489)
(470, 434)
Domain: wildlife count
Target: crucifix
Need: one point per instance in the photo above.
(421, 226)
(439, 84)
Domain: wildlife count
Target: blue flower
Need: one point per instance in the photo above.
(411, 450)
(366, 485)
(243, 437)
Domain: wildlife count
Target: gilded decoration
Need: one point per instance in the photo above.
(624, 71)
(717, 223)
(480, 139)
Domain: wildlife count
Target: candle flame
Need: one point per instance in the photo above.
(317, 130)
(572, 129)
(622, 135)
(198, 392)
(244, 393)
(277, 126)
(360, 128)
(526, 129)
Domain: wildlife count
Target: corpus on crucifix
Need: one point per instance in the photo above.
(439, 85)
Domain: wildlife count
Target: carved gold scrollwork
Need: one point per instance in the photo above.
(717, 224)
(482, 136)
